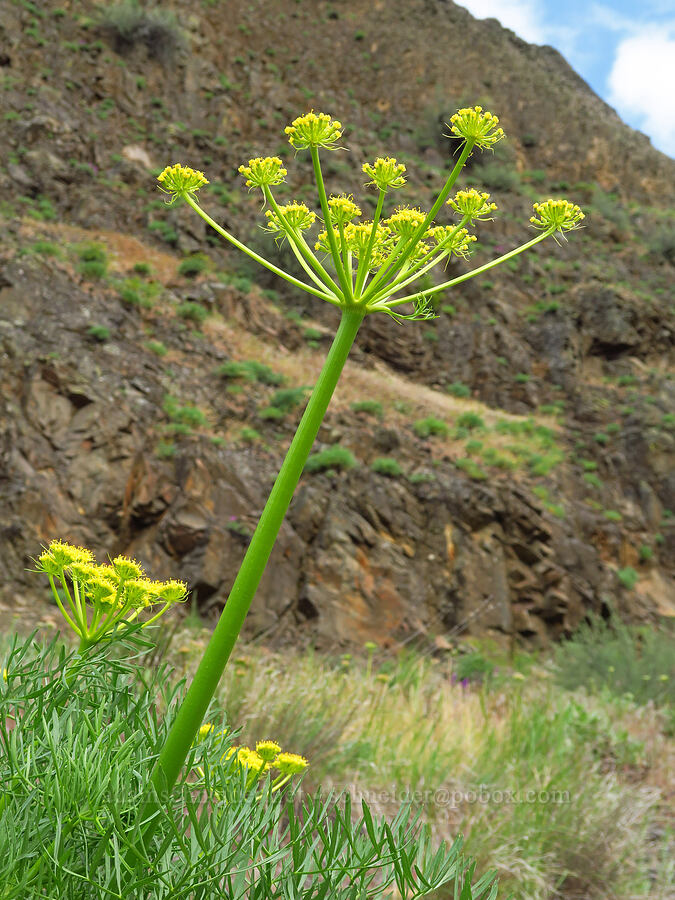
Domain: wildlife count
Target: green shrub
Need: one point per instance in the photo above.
(188, 415)
(164, 231)
(192, 311)
(45, 248)
(457, 389)
(472, 469)
(127, 24)
(192, 266)
(272, 414)
(622, 659)
(385, 465)
(287, 399)
(135, 291)
(421, 477)
(249, 435)
(372, 407)
(157, 347)
(250, 370)
(646, 553)
(93, 261)
(592, 479)
(472, 667)
(331, 458)
(142, 268)
(628, 577)
(425, 428)
(98, 332)
(612, 515)
(165, 450)
(470, 420)
(497, 176)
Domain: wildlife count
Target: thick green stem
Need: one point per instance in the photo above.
(191, 713)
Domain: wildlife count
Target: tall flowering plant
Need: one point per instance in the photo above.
(362, 267)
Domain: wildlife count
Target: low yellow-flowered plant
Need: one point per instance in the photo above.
(97, 600)
(267, 757)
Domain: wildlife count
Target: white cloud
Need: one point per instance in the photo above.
(641, 83)
(521, 16)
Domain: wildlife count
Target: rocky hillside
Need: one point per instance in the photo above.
(150, 378)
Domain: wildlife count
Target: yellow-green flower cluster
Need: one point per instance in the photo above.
(97, 598)
(357, 239)
(314, 130)
(405, 221)
(478, 127)
(473, 205)
(342, 209)
(263, 171)
(454, 240)
(557, 215)
(385, 173)
(296, 216)
(181, 181)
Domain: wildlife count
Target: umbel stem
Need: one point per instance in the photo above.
(192, 710)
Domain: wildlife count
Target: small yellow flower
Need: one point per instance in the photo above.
(358, 239)
(557, 215)
(476, 126)
(101, 590)
(268, 750)
(205, 730)
(263, 171)
(172, 591)
(296, 216)
(250, 759)
(290, 763)
(474, 205)
(181, 181)
(455, 240)
(127, 568)
(385, 173)
(322, 244)
(342, 209)
(314, 130)
(65, 554)
(405, 221)
(83, 572)
(4, 674)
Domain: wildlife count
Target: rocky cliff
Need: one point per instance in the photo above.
(134, 416)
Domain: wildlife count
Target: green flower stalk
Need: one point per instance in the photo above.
(361, 267)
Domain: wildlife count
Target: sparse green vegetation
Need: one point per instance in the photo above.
(371, 407)
(333, 458)
(249, 435)
(127, 24)
(193, 311)
(157, 347)
(99, 333)
(93, 261)
(188, 415)
(429, 427)
(470, 421)
(192, 266)
(457, 389)
(250, 370)
(385, 465)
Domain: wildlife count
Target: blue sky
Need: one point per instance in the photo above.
(624, 50)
